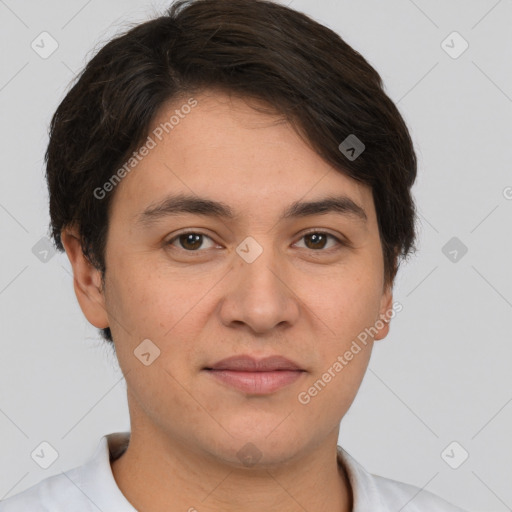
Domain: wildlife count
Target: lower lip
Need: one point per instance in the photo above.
(259, 383)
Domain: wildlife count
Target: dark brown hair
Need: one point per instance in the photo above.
(252, 48)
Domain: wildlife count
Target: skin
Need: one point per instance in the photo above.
(304, 301)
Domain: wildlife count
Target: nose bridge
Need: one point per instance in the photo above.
(259, 296)
(259, 271)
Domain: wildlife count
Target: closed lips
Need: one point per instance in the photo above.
(256, 377)
(247, 363)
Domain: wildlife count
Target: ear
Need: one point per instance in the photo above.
(382, 323)
(86, 280)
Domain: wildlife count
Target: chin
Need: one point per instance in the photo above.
(255, 441)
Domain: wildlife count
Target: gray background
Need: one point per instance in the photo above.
(442, 375)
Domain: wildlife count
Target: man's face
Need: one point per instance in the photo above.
(290, 289)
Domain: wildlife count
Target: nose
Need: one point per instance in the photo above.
(260, 295)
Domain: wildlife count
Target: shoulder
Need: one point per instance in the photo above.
(53, 494)
(377, 493)
(86, 488)
(409, 498)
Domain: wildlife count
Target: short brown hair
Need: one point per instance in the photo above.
(251, 48)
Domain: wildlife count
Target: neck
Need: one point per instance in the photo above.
(156, 472)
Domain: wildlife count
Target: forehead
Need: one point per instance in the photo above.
(222, 148)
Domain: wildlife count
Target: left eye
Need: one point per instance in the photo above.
(317, 240)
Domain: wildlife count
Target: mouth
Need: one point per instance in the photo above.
(253, 376)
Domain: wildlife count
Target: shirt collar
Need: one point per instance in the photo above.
(364, 490)
(96, 478)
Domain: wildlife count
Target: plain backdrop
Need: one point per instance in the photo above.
(438, 388)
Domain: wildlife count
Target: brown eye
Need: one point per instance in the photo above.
(190, 241)
(318, 240)
(315, 240)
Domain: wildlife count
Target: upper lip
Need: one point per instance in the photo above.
(251, 364)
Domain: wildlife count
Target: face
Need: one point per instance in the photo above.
(258, 274)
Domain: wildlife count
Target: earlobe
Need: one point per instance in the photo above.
(382, 323)
(86, 280)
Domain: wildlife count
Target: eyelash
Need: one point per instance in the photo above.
(340, 242)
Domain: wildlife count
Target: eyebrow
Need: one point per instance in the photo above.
(188, 204)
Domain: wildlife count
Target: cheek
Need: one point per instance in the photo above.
(349, 308)
(164, 309)
(345, 303)
(145, 302)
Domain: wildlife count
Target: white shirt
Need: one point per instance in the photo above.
(92, 488)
